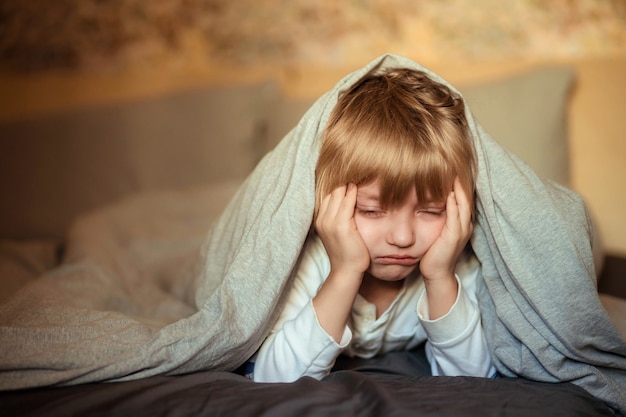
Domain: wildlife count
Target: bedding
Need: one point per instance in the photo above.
(393, 385)
(134, 297)
(24, 261)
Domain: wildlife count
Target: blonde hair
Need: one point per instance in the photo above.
(403, 129)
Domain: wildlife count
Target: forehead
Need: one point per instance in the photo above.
(369, 191)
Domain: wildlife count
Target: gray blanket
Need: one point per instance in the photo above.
(117, 310)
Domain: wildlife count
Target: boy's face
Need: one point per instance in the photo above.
(398, 237)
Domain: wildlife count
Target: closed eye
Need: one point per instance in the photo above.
(432, 212)
(369, 212)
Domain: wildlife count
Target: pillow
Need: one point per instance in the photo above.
(527, 114)
(284, 116)
(197, 136)
(55, 167)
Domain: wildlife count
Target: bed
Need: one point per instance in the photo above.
(112, 195)
(356, 392)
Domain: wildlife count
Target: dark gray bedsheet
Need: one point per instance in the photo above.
(371, 391)
(343, 393)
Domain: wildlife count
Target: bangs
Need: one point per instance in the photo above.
(400, 166)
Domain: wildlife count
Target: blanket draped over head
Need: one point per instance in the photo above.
(541, 313)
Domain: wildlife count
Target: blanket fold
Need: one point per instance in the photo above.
(89, 320)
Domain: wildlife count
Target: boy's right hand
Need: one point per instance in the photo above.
(349, 259)
(336, 227)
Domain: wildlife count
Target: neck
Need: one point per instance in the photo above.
(380, 293)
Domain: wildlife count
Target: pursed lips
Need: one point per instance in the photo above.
(398, 260)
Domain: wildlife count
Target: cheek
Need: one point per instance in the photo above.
(430, 231)
(367, 230)
(362, 226)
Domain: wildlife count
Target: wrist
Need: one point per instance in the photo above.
(439, 276)
(334, 300)
(345, 277)
(442, 294)
(442, 285)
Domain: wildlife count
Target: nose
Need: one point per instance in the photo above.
(401, 232)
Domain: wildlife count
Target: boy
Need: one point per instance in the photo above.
(394, 209)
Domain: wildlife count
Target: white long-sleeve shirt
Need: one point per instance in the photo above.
(298, 345)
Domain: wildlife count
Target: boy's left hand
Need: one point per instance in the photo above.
(440, 260)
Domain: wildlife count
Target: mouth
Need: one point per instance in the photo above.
(398, 260)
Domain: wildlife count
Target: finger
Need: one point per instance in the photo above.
(335, 199)
(452, 213)
(330, 208)
(463, 203)
(323, 206)
(325, 213)
(348, 203)
(321, 213)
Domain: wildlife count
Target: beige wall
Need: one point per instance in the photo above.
(112, 36)
(598, 146)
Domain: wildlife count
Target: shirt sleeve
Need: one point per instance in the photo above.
(456, 344)
(298, 345)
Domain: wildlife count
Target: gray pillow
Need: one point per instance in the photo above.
(527, 114)
(55, 167)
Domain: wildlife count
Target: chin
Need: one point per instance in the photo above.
(391, 273)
